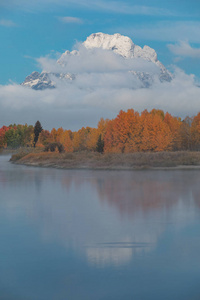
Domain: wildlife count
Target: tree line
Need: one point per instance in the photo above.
(129, 132)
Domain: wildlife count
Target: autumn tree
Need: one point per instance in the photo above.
(91, 139)
(123, 132)
(195, 133)
(174, 125)
(76, 141)
(81, 138)
(66, 140)
(12, 138)
(28, 135)
(59, 133)
(44, 139)
(156, 135)
(3, 141)
(102, 126)
(185, 134)
(109, 142)
(54, 134)
(54, 147)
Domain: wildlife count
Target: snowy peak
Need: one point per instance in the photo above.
(38, 81)
(118, 43)
(44, 80)
(146, 53)
(121, 45)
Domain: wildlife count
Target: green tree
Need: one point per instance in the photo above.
(100, 145)
(13, 138)
(37, 129)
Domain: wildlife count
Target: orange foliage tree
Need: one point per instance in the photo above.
(66, 140)
(128, 132)
(45, 137)
(131, 132)
(2, 136)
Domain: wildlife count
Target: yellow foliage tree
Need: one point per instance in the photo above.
(66, 141)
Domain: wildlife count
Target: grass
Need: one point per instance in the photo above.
(94, 160)
(21, 152)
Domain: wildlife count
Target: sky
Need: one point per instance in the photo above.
(33, 30)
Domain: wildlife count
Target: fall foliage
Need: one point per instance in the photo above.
(129, 132)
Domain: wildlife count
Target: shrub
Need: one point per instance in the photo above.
(18, 156)
(53, 147)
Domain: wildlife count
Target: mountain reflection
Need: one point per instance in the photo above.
(109, 217)
(130, 192)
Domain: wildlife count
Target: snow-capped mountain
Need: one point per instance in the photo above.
(117, 43)
(44, 80)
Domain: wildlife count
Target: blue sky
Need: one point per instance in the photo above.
(31, 29)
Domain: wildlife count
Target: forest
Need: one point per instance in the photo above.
(129, 132)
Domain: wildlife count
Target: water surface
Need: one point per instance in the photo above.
(98, 235)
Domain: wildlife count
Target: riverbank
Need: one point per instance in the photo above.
(110, 161)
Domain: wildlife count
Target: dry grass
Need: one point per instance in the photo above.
(22, 152)
(93, 160)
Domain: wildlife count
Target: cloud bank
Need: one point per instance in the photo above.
(103, 86)
(95, 60)
(184, 49)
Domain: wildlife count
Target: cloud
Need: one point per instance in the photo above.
(93, 61)
(7, 23)
(184, 49)
(103, 86)
(71, 20)
(83, 102)
(170, 31)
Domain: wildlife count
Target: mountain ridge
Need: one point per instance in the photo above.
(119, 44)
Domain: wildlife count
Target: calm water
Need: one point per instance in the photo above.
(98, 235)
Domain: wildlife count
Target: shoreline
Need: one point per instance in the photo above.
(110, 161)
(142, 168)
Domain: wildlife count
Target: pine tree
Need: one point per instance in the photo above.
(100, 145)
(37, 129)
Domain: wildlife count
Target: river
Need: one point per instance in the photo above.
(98, 235)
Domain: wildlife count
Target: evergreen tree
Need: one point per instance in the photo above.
(100, 145)
(37, 129)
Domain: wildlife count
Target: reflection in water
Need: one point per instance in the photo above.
(87, 210)
(107, 256)
(103, 220)
(142, 190)
(117, 253)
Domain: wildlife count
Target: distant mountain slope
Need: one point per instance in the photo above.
(118, 44)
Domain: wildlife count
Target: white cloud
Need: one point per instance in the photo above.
(170, 31)
(96, 61)
(82, 103)
(184, 49)
(7, 23)
(102, 87)
(71, 20)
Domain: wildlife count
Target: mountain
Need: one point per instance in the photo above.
(44, 80)
(117, 43)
